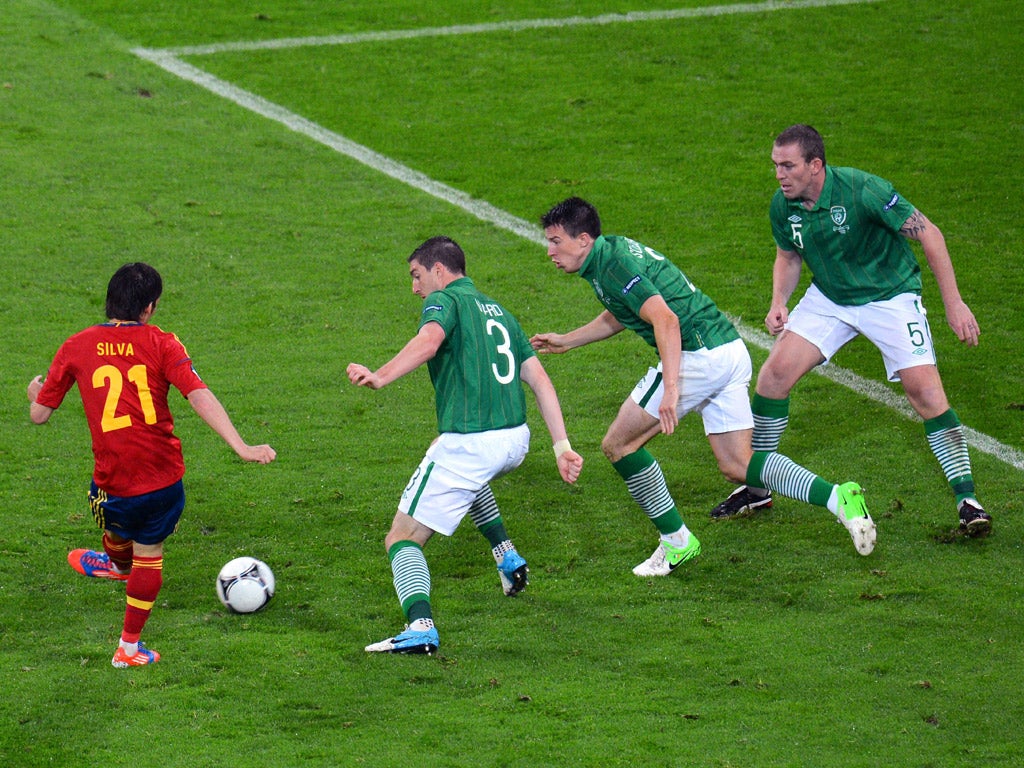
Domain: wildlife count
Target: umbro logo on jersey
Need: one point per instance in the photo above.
(795, 219)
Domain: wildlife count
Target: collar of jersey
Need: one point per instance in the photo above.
(824, 199)
(599, 245)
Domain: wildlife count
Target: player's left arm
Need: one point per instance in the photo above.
(659, 315)
(210, 410)
(958, 314)
(419, 349)
(536, 378)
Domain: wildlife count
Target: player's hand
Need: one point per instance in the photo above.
(362, 376)
(569, 465)
(776, 320)
(261, 454)
(963, 323)
(667, 410)
(549, 343)
(33, 388)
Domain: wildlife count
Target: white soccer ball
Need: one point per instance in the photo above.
(245, 585)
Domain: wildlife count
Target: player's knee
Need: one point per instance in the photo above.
(611, 448)
(929, 401)
(391, 539)
(773, 382)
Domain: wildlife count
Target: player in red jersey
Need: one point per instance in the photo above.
(124, 369)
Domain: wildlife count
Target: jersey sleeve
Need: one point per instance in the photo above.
(58, 381)
(777, 215)
(881, 197)
(629, 285)
(179, 368)
(439, 308)
(524, 350)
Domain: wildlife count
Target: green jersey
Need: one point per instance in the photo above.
(625, 274)
(850, 239)
(476, 370)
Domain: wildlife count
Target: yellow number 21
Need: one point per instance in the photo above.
(137, 376)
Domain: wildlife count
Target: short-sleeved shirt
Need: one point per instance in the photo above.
(850, 240)
(625, 274)
(476, 369)
(124, 373)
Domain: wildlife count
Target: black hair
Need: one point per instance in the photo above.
(575, 216)
(809, 140)
(132, 288)
(440, 249)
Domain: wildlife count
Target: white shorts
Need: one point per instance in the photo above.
(897, 326)
(713, 382)
(455, 469)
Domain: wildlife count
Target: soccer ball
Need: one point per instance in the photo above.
(245, 585)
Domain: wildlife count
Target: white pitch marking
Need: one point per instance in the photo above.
(168, 60)
(510, 26)
(877, 391)
(378, 162)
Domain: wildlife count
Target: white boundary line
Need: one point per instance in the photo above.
(378, 162)
(877, 391)
(168, 60)
(511, 26)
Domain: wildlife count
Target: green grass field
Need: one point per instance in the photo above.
(284, 260)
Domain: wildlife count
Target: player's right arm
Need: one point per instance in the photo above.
(419, 349)
(39, 414)
(602, 327)
(785, 278)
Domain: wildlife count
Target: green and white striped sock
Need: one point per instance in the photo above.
(782, 474)
(949, 444)
(646, 484)
(412, 579)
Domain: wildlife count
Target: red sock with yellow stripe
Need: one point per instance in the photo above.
(142, 588)
(120, 554)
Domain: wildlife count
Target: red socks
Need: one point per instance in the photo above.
(120, 554)
(142, 588)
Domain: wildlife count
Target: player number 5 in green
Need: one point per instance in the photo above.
(917, 337)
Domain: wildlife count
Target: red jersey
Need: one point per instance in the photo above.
(124, 373)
